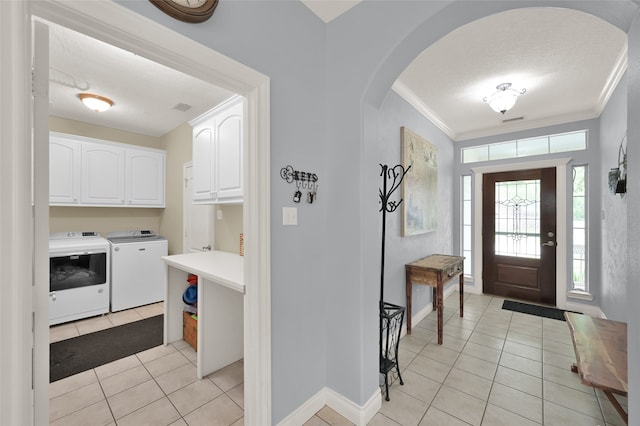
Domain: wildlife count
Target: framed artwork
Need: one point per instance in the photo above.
(420, 185)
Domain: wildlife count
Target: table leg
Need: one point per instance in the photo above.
(435, 298)
(617, 406)
(461, 294)
(440, 307)
(408, 290)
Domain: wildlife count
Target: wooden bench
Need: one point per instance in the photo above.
(601, 355)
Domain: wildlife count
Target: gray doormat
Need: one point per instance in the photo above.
(541, 311)
(72, 356)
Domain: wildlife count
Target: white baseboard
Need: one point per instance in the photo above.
(592, 310)
(359, 415)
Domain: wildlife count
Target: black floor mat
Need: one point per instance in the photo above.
(541, 311)
(72, 356)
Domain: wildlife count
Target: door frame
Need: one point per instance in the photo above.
(117, 25)
(561, 220)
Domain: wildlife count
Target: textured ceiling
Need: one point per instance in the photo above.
(144, 92)
(568, 61)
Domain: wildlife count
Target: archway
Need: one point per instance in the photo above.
(400, 55)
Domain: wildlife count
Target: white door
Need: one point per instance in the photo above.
(199, 231)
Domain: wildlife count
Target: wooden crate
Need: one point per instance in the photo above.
(190, 330)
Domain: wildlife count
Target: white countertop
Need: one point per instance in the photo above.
(220, 267)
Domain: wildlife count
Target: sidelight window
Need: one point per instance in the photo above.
(579, 264)
(466, 223)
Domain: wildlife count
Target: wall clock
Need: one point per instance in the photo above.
(187, 10)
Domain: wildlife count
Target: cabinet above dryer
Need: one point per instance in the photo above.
(92, 172)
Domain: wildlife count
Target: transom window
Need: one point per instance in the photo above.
(562, 142)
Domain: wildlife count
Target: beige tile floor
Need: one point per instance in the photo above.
(495, 367)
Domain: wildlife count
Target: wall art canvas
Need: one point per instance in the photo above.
(420, 185)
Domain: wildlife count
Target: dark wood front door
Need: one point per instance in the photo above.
(519, 234)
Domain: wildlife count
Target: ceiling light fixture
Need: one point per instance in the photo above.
(95, 102)
(504, 98)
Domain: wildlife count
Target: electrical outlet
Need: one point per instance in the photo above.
(219, 214)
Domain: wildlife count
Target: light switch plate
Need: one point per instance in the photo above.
(289, 215)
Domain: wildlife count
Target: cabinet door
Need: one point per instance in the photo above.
(102, 174)
(203, 149)
(229, 153)
(144, 173)
(64, 171)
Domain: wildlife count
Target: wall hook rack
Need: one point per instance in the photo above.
(303, 180)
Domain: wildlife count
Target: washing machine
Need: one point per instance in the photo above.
(78, 276)
(137, 269)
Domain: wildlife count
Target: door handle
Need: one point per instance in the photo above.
(550, 244)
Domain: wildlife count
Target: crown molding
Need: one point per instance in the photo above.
(413, 100)
(614, 78)
(528, 125)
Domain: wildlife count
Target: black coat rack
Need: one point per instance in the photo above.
(391, 316)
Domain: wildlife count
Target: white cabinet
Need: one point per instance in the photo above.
(217, 154)
(102, 174)
(91, 172)
(145, 178)
(64, 171)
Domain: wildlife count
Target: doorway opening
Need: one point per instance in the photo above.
(120, 27)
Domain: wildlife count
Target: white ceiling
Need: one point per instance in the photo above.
(568, 61)
(144, 93)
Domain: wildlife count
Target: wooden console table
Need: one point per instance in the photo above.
(601, 355)
(434, 271)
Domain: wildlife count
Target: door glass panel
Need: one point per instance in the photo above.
(78, 270)
(517, 225)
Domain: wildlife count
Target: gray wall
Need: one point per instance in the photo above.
(613, 268)
(633, 219)
(396, 112)
(328, 85)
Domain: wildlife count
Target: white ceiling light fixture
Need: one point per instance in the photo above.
(504, 98)
(95, 102)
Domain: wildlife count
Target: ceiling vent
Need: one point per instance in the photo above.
(509, 120)
(182, 107)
